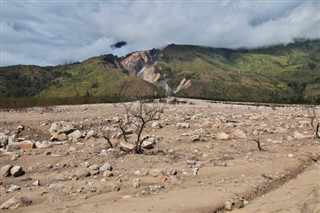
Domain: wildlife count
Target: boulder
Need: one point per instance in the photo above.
(14, 146)
(127, 147)
(16, 171)
(4, 139)
(105, 167)
(26, 144)
(15, 202)
(61, 127)
(75, 135)
(5, 170)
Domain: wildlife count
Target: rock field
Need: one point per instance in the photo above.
(199, 157)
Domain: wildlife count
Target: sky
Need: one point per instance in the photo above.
(52, 32)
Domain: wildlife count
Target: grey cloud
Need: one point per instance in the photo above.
(49, 32)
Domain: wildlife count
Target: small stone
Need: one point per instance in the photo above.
(42, 145)
(15, 202)
(5, 170)
(105, 167)
(290, 155)
(148, 144)
(82, 173)
(16, 171)
(15, 157)
(90, 134)
(103, 153)
(183, 125)
(195, 138)
(136, 183)
(195, 171)
(107, 174)
(14, 188)
(59, 137)
(36, 183)
(228, 205)
(238, 133)
(298, 135)
(223, 136)
(4, 139)
(156, 125)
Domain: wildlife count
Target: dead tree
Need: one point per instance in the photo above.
(315, 124)
(135, 121)
(258, 144)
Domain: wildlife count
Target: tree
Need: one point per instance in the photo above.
(134, 121)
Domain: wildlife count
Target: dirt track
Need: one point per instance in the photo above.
(176, 175)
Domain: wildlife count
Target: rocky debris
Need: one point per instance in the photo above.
(61, 127)
(150, 190)
(103, 153)
(4, 139)
(58, 188)
(136, 183)
(15, 202)
(183, 125)
(75, 135)
(195, 138)
(127, 147)
(5, 170)
(59, 137)
(105, 167)
(14, 188)
(16, 171)
(223, 136)
(26, 144)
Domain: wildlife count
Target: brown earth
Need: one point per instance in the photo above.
(177, 175)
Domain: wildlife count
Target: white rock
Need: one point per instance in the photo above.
(105, 167)
(16, 171)
(75, 135)
(14, 188)
(183, 125)
(223, 136)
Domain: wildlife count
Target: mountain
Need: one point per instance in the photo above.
(281, 73)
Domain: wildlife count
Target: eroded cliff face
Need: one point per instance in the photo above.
(142, 64)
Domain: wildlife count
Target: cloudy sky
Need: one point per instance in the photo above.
(51, 32)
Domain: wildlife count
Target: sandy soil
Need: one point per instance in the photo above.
(214, 174)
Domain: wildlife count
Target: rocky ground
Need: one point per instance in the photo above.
(200, 157)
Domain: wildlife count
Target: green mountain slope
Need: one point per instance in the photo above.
(282, 73)
(275, 74)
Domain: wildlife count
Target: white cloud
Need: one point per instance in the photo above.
(49, 32)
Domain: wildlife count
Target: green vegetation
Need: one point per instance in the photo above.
(282, 73)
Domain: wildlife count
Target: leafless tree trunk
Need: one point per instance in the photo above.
(137, 118)
(314, 121)
(258, 144)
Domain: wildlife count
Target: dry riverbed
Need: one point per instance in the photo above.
(204, 158)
